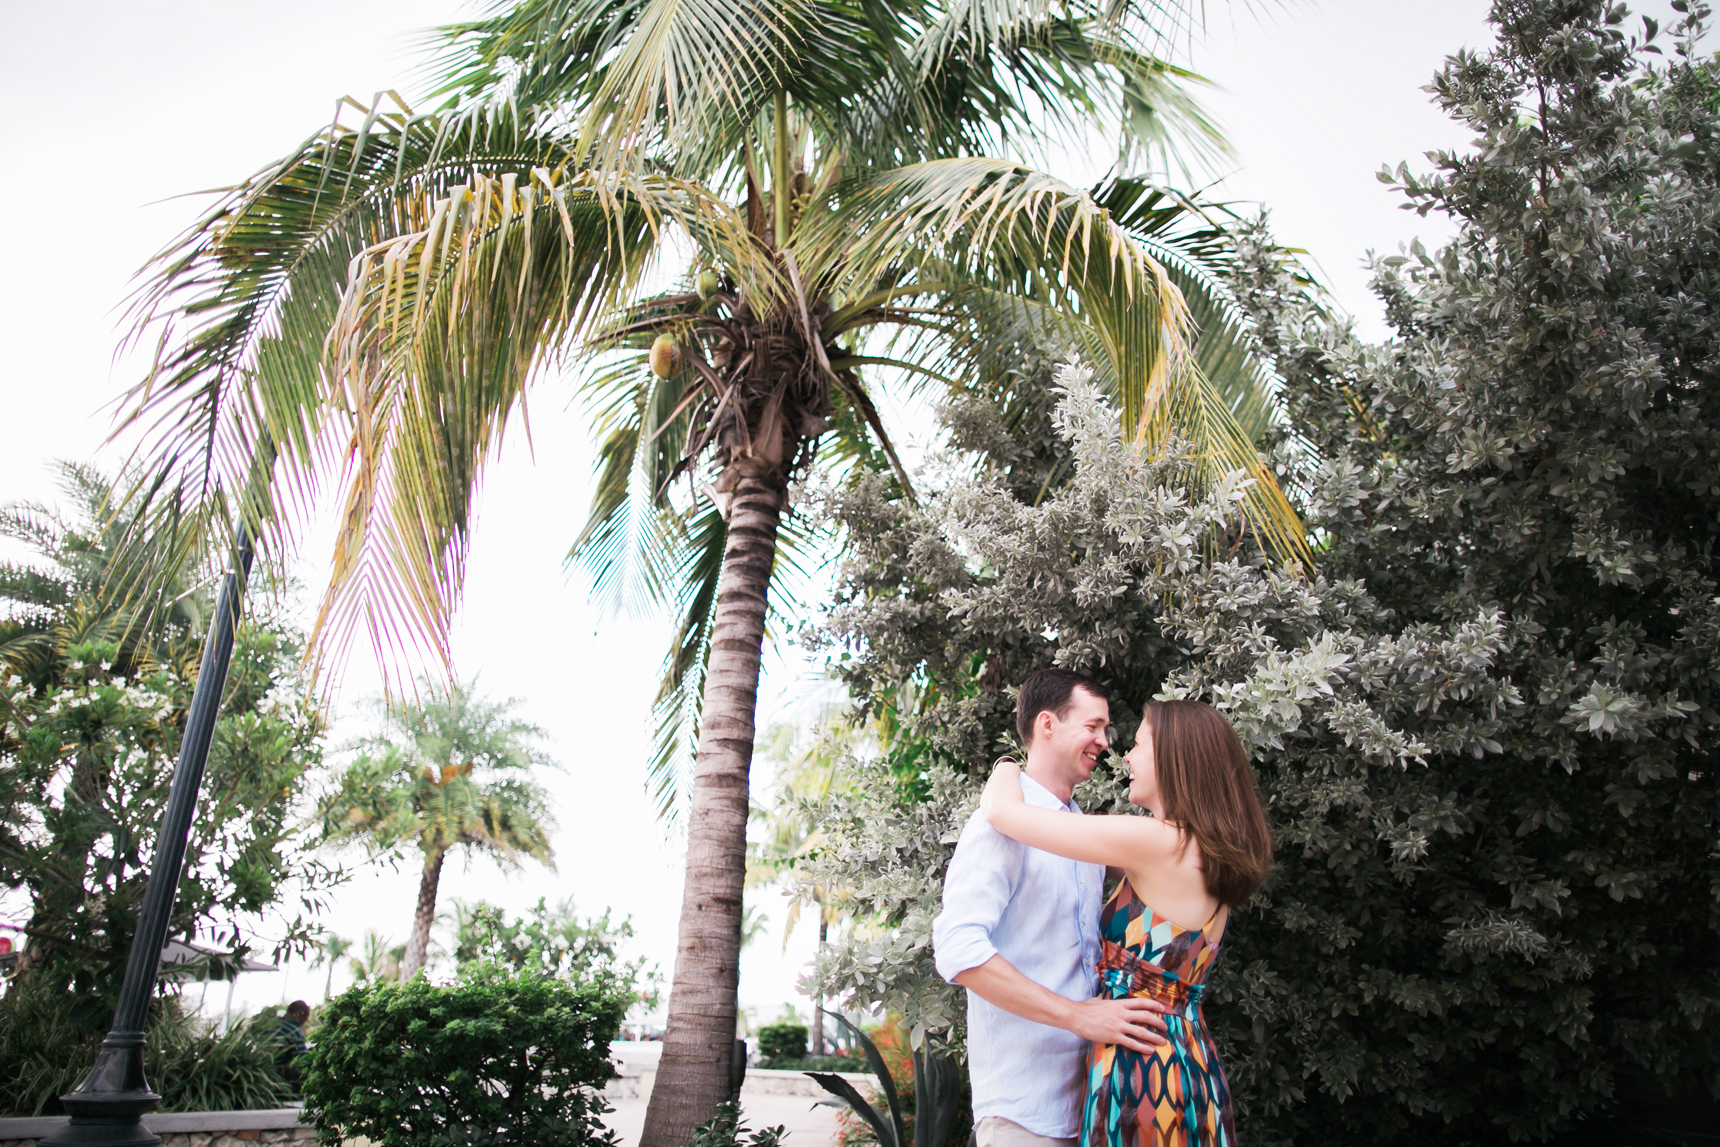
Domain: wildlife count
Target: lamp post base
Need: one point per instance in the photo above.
(108, 1106)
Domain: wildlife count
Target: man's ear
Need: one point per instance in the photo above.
(1042, 724)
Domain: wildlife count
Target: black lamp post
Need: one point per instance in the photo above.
(107, 1106)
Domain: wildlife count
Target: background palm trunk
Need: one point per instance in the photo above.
(694, 1075)
(418, 945)
(818, 1000)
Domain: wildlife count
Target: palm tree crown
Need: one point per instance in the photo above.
(842, 183)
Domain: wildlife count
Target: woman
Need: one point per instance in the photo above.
(1204, 850)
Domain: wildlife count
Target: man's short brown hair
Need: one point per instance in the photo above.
(1054, 690)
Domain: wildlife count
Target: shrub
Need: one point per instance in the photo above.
(725, 1129)
(782, 1041)
(1485, 727)
(48, 1040)
(556, 942)
(494, 1059)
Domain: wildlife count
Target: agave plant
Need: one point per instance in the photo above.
(833, 189)
(937, 1096)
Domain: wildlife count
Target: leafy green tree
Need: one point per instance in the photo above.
(837, 176)
(556, 942)
(450, 770)
(93, 693)
(1486, 727)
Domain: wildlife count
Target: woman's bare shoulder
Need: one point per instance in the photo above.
(1161, 835)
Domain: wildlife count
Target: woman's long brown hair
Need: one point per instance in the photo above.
(1206, 786)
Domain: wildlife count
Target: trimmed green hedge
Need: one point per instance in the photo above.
(782, 1041)
(815, 1063)
(495, 1059)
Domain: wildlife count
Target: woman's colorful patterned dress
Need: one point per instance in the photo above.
(1177, 1096)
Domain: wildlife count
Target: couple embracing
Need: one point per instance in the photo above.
(1084, 1011)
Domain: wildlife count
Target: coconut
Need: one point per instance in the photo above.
(708, 284)
(665, 356)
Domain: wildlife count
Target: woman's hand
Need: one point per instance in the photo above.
(1002, 791)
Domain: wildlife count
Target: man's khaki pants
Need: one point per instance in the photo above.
(994, 1132)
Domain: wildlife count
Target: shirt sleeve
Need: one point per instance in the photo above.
(977, 888)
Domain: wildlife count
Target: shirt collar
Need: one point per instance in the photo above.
(1039, 796)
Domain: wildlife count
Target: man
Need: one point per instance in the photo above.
(290, 1047)
(1020, 931)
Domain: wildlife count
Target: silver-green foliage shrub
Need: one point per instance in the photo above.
(1486, 723)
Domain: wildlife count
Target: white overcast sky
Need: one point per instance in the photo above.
(114, 108)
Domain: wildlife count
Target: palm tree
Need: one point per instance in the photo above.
(447, 772)
(754, 923)
(380, 962)
(331, 951)
(788, 829)
(837, 179)
(92, 580)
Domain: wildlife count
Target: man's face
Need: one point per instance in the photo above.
(1075, 741)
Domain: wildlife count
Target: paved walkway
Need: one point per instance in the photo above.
(805, 1124)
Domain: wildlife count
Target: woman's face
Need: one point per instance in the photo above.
(1143, 771)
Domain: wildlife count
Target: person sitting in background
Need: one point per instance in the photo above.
(290, 1040)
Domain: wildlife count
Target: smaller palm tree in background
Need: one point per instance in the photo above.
(332, 950)
(448, 771)
(806, 762)
(380, 961)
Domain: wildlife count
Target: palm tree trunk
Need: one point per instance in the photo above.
(699, 1044)
(818, 1000)
(418, 946)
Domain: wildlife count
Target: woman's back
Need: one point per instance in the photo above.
(1164, 870)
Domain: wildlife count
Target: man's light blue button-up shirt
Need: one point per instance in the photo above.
(1041, 913)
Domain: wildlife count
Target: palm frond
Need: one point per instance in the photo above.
(680, 692)
(1003, 227)
(680, 81)
(237, 417)
(1164, 125)
(987, 221)
(434, 343)
(471, 251)
(687, 70)
(989, 76)
(632, 540)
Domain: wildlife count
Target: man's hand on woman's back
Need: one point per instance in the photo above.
(1134, 1023)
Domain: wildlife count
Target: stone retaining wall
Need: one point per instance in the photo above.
(186, 1128)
